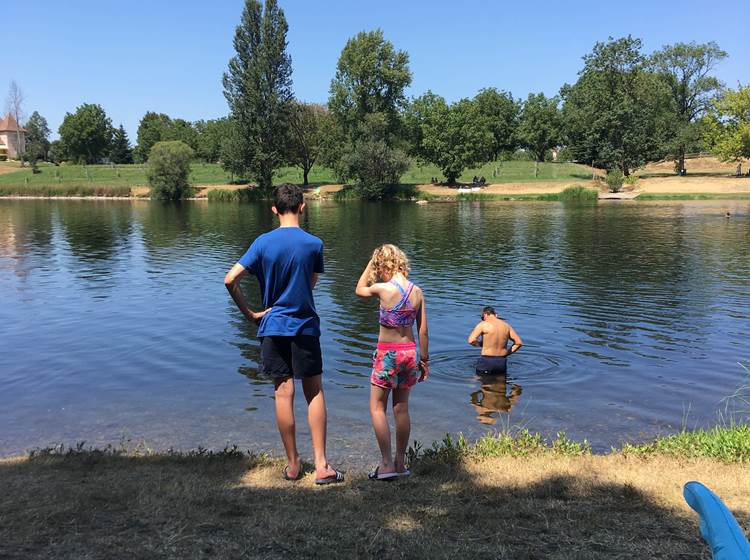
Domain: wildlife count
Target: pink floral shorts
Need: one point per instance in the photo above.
(394, 365)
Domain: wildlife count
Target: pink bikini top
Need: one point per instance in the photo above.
(402, 314)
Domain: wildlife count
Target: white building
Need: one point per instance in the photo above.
(12, 138)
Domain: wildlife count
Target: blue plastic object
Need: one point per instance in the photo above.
(719, 528)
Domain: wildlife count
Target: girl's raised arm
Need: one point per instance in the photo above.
(362, 289)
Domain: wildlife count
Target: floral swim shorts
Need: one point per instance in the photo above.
(394, 365)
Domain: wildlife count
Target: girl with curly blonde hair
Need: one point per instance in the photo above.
(396, 366)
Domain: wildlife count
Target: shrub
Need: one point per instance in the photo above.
(614, 180)
(236, 195)
(579, 193)
(168, 170)
(631, 180)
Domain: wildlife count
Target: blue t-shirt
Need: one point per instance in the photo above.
(284, 261)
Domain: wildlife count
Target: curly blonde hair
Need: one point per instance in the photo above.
(390, 258)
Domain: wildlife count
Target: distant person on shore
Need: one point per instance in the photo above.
(396, 366)
(493, 334)
(287, 262)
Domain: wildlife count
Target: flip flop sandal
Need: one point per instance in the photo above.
(376, 475)
(334, 478)
(403, 473)
(285, 474)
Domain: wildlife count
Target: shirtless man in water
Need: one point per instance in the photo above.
(492, 334)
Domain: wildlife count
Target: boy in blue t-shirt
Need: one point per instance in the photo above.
(287, 262)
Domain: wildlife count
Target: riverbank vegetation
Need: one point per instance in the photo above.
(503, 497)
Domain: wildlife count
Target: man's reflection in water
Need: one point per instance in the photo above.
(492, 397)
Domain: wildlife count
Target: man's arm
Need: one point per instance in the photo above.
(475, 334)
(314, 281)
(232, 284)
(517, 342)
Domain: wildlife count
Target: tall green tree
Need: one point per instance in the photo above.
(728, 125)
(371, 76)
(37, 137)
(453, 137)
(540, 123)
(500, 112)
(258, 88)
(86, 133)
(120, 151)
(151, 130)
(686, 69)
(306, 127)
(616, 114)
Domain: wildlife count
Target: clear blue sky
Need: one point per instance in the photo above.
(169, 55)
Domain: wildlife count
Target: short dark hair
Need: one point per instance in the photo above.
(287, 198)
(489, 310)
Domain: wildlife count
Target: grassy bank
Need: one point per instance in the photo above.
(504, 497)
(18, 179)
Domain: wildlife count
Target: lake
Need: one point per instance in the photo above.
(116, 326)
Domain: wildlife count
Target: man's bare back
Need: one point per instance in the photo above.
(495, 334)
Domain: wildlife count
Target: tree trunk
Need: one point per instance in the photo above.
(305, 171)
(681, 159)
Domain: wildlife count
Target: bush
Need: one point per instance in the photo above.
(236, 195)
(168, 170)
(614, 180)
(579, 193)
(631, 180)
(375, 167)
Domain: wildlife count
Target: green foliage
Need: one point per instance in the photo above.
(615, 180)
(617, 113)
(730, 444)
(502, 444)
(210, 135)
(685, 68)
(37, 138)
(258, 88)
(540, 125)
(371, 162)
(451, 137)
(150, 131)
(498, 113)
(86, 134)
(120, 152)
(236, 195)
(168, 170)
(579, 193)
(727, 129)
(77, 189)
(371, 76)
(307, 124)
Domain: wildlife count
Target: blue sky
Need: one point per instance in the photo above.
(169, 55)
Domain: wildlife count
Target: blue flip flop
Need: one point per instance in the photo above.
(376, 475)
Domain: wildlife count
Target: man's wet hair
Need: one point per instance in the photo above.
(488, 310)
(287, 198)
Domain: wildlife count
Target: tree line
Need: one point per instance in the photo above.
(625, 108)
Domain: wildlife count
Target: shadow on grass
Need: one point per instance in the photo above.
(229, 505)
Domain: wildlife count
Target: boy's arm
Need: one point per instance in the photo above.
(475, 334)
(517, 342)
(232, 284)
(424, 341)
(362, 289)
(314, 280)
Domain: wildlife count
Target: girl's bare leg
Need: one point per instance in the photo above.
(378, 406)
(403, 426)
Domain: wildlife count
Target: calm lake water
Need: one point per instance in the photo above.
(115, 324)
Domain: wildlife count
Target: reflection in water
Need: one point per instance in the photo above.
(493, 397)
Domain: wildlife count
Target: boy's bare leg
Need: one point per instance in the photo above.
(318, 420)
(284, 398)
(403, 426)
(378, 406)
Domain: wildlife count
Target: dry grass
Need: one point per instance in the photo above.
(91, 505)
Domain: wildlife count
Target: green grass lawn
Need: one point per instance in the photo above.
(69, 178)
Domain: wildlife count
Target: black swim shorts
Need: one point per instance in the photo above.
(492, 365)
(291, 356)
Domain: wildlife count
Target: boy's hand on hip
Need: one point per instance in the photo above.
(258, 315)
